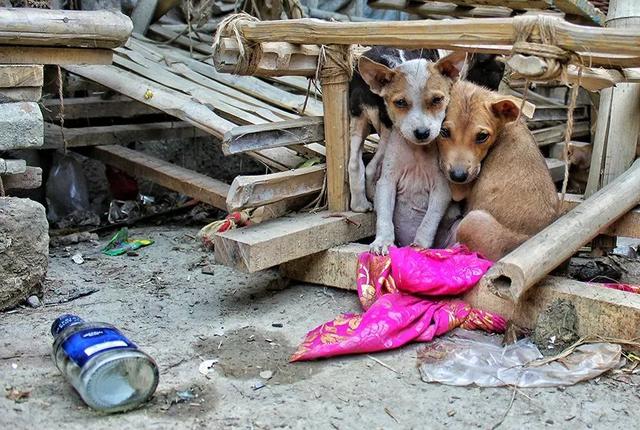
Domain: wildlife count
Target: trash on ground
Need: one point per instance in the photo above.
(108, 370)
(474, 358)
(121, 244)
(77, 258)
(266, 374)
(17, 395)
(231, 221)
(206, 366)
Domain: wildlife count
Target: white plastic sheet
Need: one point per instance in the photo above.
(475, 358)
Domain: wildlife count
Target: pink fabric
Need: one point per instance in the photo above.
(391, 290)
(623, 287)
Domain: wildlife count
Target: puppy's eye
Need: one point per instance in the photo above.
(437, 100)
(444, 132)
(482, 137)
(401, 103)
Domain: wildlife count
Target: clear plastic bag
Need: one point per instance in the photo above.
(67, 191)
(474, 358)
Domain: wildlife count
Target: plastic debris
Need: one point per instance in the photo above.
(77, 258)
(121, 244)
(474, 358)
(206, 366)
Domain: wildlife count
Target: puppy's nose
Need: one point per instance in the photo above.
(421, 133)
(458, 175)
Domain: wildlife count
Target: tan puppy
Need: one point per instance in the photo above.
(493, 162)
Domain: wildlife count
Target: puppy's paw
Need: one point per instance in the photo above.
(381, 245)
(424, 244)
(361, 205)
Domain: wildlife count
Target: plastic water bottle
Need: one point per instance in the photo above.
(108, 370)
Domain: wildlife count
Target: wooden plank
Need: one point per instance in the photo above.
(70, 28)
(119, 134)
(185, 181)
(20, 94)
(21, 76)
(274, 242)
(259, 190)
(96, 107)
(148, 92)
(555, 134)
(12, 167)
(335, 90)
(274, 135)
(29, 179)
(50, 55)
(553, 113)
(601, 311)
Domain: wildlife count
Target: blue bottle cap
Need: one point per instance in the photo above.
(64, 321)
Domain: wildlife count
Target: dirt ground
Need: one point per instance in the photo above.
(180, 308)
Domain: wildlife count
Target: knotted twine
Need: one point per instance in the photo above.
(249, 54)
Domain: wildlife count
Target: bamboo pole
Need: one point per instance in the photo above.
(617, 126)
(335, 91)
(512, 276)
(71, 28)
(437, 34)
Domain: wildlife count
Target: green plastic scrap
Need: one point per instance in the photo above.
(121, 244)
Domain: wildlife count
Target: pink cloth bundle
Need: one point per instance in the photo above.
(392, 291)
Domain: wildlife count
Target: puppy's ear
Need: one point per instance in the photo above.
(505, 109)
(453, 65)
(376, 75)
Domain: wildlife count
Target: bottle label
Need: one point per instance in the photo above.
(83, 345)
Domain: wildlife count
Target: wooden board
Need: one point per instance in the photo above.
(119, 134)
(601, 311)
(283, 133)
(271, 243)
(168, 175)
(65, 28)
(29, 179)
(21, 76)
(555, 134)
(259, 190)
(96, 107)
(49, 55)
(435, 9)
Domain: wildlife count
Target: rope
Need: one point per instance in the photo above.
(542, 27)
(61, 114)
(567, 136)
(248, 55)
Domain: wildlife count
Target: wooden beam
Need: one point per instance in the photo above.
(274, 242)
(168, 175)
(277, 134)
(335, 90)
(70, 28)
(601, 311)
(96, 107)
(142, 15)
(21, 76)
(119, 134)
(436, 34)
(429, 9)
(29, 179)
(270, 60)
(259, 190)
(50, 55)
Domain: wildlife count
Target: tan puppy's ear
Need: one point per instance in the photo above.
(505, 109)
(376, 75)
(453, 65)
